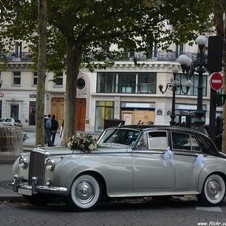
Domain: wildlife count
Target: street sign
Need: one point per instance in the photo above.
(216, 80)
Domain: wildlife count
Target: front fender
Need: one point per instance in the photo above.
(218, 168)
(68, 169)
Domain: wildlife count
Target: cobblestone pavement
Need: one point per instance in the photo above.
(120, 213)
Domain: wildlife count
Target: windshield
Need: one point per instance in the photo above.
(119, 136)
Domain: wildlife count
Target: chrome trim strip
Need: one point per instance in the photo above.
(51, 190)
(17, 184)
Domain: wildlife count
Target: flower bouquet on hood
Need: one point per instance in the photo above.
(83, 142)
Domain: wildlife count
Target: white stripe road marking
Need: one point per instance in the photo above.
(210, 209)
(216, 81)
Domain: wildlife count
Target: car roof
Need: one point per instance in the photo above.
(159, 127)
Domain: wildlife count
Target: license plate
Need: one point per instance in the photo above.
(22, 191)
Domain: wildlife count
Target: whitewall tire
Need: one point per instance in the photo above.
(85, 193)
(213, 191)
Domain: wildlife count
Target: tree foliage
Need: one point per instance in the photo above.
(80, 32)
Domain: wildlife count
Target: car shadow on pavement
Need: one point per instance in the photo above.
(114, 204)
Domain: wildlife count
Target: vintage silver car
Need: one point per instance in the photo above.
(130, 161)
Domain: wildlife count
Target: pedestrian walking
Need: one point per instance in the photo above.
(48, 125)
(54, 128)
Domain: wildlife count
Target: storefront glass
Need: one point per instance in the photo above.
(104, 110)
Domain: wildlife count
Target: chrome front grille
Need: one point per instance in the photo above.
(37, 167)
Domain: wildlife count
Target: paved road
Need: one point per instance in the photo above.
(132, 213)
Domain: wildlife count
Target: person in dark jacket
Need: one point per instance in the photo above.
(54, 128)
(48, 125)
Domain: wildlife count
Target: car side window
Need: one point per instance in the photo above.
(143, 142)
(185, 141)
(157, 140)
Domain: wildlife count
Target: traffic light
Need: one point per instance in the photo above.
(220, 99)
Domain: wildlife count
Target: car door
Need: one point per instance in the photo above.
(150, 174)
(186, 149)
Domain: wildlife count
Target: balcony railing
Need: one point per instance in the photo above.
(156, 56)
(15, 57)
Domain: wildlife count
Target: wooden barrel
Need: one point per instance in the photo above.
(11, 140)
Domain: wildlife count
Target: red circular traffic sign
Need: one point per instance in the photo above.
(216, 80)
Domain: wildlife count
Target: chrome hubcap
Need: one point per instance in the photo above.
(214, 189)
(84, 192)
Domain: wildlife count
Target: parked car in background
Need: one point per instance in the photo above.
(130, 161)
(10, 122)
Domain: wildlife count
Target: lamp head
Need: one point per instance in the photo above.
(201, 40)
(188, 85)
(185, 62)
(183, 59)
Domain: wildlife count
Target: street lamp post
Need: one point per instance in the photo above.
(174, 85)
(190, 66)
(1, 81)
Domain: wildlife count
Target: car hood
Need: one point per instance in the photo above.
(67, 151)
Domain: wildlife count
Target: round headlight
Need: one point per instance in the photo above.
(23, 162)
(50, 164)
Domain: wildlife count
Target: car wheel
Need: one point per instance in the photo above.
(85, 193)
(213, 191)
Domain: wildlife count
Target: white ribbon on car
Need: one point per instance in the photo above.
(199, 161)
(166, 156)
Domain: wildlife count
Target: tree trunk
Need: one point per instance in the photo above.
(73, 64)
(40, 95)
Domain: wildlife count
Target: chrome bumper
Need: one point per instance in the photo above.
(33, 189)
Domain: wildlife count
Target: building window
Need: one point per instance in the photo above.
(18, 50)
(16, 78)
(81, 83)
(106, 82)
(179, 50)
(35, 78)
(14, 111)
(147, 82)
(126, 82)
(193, 91)
(104, 110)
(58, 79)
(153, 50)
